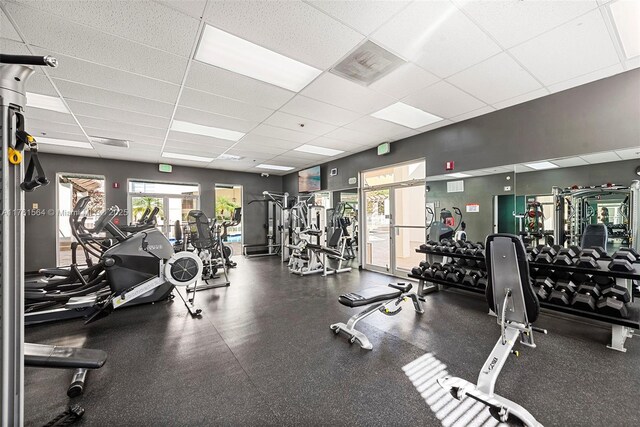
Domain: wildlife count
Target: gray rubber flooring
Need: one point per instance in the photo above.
(263, 354)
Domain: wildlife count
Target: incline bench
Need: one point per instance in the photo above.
(377, 298)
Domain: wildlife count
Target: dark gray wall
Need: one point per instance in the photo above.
(599, 116)
(481, 191)
(41, 230)
(541, 182)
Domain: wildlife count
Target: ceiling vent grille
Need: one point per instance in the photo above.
(367, 63)
(122, 143)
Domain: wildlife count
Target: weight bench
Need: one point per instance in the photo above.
(53, 356)
(511, 296)
(378, 298)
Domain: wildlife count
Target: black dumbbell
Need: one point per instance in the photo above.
(571, 251)
(590, 288)
(542, 293)
(629, 256)
(424, 265)
(617, 292)
(633, 252)
(621, 264)
(567, 286)
(456, 275)
(559, 297)
(564, 260)
(544, 257)
(471, 279)
(416, 271)
(612, 307)
(482, 282)
(545, 282)
(588, 258)
(584, 302)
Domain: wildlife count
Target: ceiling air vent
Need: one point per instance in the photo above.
(368, 63)
(122, 143)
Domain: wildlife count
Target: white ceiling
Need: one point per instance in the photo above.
(563, 162)
(126, 70)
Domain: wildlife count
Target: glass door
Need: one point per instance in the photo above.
(378, 230)
(408, 222)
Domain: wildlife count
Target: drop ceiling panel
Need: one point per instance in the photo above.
(291, 28)
(91, 74)
(443, 100)
(471, 114)
(293, 159)
(232, 85)
(289, 121)
(236, 165)
(351, 136)
(214, 120)
(197, 148)
(258, 149)
(341, 92)
(141, 21)
(586, 78)
(250, 155)
(48, 115)
(6, 29)
(13, 47)
(119, 134)
(321, 111)
(67, 151)
(436, 36)
(496, 79)
(254, 140)
(631, 153)
(610, 156)
(522, 98)
(571, 50)
(39, 83)
(140, 156)
(281, 133)
(363, 16)
(118, 115)
(569, 162)
(200, 139)
(57, 35)
(74, 91)
(404, 81)
(192, 8)
(224, 106)
(56, 135)
(108, 127)
(38, 126)
(336, 144)
(380, 129)
(435, 125)
(513, 22)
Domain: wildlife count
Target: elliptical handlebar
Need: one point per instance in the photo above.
(46, 61)
(458, 212)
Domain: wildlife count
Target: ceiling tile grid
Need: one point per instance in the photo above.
(127, 69)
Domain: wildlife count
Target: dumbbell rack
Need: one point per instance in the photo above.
(621, 328)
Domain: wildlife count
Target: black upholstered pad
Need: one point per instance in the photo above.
(50, 356)
(369, 296)
(404, 287)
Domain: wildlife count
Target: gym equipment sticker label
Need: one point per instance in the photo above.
(473, 207)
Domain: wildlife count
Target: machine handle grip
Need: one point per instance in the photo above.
(540, 330)
(47, 60)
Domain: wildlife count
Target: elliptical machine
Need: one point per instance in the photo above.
(443, 229)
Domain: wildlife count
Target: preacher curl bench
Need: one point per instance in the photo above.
(512, 298)
(378, 298)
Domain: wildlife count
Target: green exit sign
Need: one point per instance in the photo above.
(384, 148)
(165, 168)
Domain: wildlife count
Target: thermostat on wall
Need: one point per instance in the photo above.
(333, 172)
(353, 181)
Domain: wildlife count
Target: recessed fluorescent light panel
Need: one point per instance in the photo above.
(626, 15)
(64, 143)
(232, 53)
(319, 150)
(458, 175)
(228, 157)
(406, 115)
(187, 127)
(541, 165)
(274, 167)
(181, 156)
(46, 102)
(367, 64)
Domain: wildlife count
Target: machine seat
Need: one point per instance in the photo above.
(53, 356)
(312, 232)
(369, 296)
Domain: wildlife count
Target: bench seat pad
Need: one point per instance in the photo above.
(369, 296)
